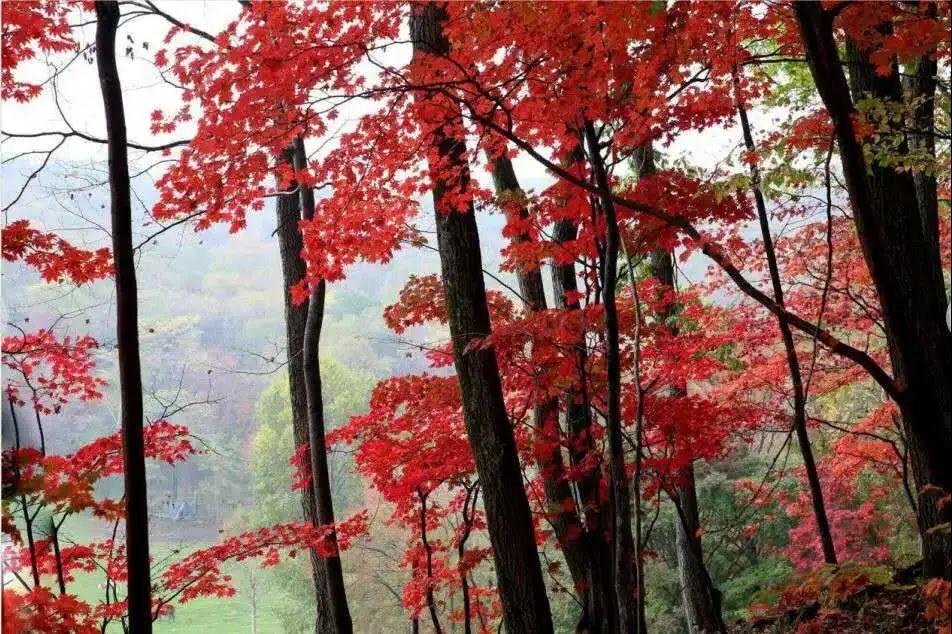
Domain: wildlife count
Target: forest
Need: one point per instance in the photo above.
(476, 316)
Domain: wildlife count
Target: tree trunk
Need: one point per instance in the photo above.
(564, 519)
(127, 325)
(294, 269)
(582, 451)
(905, 268)
(793, 362)
(920, 84)
(430, 599)
(629, 593)
(702, 600)
(254, 603)
(320, 476)
(508, 518)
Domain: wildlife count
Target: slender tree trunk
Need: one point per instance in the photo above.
(565, 520)
(320, 475)
(27, 518)
(793, 362)
(127, 324)
(508, 518)
(702, 600)
(629, 592)
(294, 269)
(584, 455)
(430, 600)
(469, 511)
(906, 270)
(254, 603)
(57, 555)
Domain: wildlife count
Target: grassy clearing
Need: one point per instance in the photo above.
(232, 614)
(213, 614)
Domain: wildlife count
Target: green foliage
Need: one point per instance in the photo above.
(346, 392)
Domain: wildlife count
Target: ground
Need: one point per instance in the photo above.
(222, 615)
(877, 609)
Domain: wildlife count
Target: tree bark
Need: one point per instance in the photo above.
(320, 476)
(582, 451)
(905, 269)
(430, 599)
(127, 324)
(294, 269)
(701, 598)
(508, 518)
(569, 530)
(469, 512)
(793, 361)
(629, 592)
(920, 84)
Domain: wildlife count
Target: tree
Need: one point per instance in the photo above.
(702, 600)
(793, 361)
(900, 249)
(294, 270)
(569, 425)
(578, 545)
(127, 324)
(525, 606)
(315, 420)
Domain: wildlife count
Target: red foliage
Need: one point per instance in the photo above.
(28, 28)
(526, 75)
(56, 259)
(50, 372)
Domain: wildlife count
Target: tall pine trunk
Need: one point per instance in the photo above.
(508, 518)
(294, 269)
(320, 475)
(127, 324)
(904, 263)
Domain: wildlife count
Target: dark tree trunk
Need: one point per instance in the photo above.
(905, 268)
(508, 518)
(702, 600)
(583, 453)
(469, 512)
(17, 475)
(127, 324)
(565, 520)
(430, 599)
(294, 270)
(793, 362)
(629, 593)
(320, 476)
(920, 84)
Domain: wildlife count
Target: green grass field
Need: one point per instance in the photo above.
(213, 614)
(232, 614)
